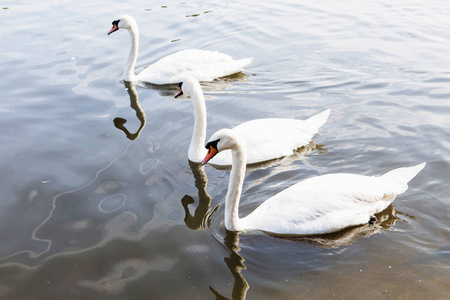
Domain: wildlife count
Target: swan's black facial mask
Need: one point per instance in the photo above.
(180, 91)
(212, 151)
(115, 27)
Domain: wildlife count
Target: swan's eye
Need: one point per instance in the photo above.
(212, 144)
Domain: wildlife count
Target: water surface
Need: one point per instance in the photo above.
(95, 207)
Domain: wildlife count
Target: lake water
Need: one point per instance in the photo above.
(94, 208)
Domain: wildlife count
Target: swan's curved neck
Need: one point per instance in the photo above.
(197, 147)
(237, 174)
(131, 62)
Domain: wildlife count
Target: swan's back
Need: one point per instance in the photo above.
(329, 203)
(204, 65)
(267, 139)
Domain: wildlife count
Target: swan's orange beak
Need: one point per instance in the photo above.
(179, 93)
(211, 153)
(114, 28)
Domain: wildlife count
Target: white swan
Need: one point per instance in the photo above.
(266, 139)
(317, 205)
(203, 65)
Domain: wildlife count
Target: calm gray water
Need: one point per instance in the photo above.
(94, 208)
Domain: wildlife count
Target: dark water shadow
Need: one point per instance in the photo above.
(136, 105)
(164, 90)
(207, 86)
(347, 236)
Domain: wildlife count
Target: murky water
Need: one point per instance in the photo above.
(94, 207)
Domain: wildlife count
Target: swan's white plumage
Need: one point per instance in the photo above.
(265, 139)
(272, 138)
(202, 64)
(317, 205)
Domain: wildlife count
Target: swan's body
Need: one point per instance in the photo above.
(317, 205)
(202, 64)
(265, 139)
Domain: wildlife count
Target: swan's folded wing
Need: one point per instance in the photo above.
(324, 204)
(202, 64)
(268, 139)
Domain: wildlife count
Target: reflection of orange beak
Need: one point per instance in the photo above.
(114, 28)
(179, 93)
(211, 153)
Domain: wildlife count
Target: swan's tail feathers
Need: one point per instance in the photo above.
(241, 63)
(318, 120)
(229, 68)
(404, 175)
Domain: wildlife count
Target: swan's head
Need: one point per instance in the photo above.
(125, 22)
(223, 139)
(187, 86)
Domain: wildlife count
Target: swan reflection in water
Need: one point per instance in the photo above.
(140, 114)
(201, 220)
(235, 263)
